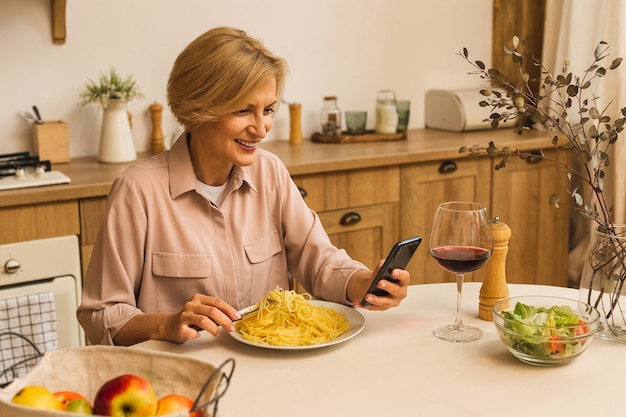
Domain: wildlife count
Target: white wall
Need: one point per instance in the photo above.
(348, 48)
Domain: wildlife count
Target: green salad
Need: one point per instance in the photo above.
(544, 332)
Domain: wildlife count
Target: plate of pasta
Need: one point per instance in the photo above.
(291, 321)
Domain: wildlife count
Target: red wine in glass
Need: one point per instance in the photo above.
(461, 241)
(460, 259)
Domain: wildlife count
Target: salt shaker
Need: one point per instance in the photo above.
(494, 287)
(386, 112)
(330, 117)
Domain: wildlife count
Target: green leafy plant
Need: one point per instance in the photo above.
(110, 86)
(567, 109)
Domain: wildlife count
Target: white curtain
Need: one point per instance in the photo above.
(573, 29)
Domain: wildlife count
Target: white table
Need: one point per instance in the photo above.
(396, 367)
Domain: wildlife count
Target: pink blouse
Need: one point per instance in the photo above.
(161, 242)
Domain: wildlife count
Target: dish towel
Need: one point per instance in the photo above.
(28, 328)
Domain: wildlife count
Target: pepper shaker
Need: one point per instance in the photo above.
(157, 132)
(295, 123)
(494, 287)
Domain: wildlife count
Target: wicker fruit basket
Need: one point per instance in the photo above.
(85, 369)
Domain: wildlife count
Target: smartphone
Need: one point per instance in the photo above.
(398, 257)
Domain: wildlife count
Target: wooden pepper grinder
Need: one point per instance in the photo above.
(295, 125)
(157, 133)
(494, 286)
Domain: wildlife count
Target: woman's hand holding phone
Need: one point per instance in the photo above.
(392, 272)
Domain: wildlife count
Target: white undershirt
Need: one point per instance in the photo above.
(215, 193)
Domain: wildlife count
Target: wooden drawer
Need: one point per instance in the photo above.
(344, 189)
(366, 232)
(39, 221)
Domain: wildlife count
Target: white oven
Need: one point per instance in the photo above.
(40, 286)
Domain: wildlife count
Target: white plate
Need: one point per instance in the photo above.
(356, 320)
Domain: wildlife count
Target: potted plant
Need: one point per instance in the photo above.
(583, 131)
(110, 86)
(112, 92)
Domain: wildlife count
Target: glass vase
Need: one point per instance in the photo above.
(603, 281)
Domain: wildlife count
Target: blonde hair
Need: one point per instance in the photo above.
(217, 73)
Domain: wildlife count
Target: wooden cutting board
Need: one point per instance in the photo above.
(369, 136)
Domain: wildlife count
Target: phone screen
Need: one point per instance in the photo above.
(398, 257)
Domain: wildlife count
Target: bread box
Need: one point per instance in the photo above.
(457, 110)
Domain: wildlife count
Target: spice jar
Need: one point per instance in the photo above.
(330, 117)
(386, 112)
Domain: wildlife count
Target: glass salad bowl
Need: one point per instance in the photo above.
(545, 331)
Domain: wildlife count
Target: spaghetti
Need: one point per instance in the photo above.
(286, 318)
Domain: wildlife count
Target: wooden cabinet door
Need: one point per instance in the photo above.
(358, 208)
(426, 185)
(539, 232)
(366, 233)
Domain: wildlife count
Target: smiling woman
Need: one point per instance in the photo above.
(196, 233)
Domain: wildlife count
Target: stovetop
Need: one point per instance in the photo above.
(21, 170)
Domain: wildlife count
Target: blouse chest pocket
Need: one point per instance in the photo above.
(263, 249)
(181, 265)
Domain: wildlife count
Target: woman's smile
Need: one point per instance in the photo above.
(247, 145)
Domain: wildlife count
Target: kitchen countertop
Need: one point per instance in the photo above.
(89, 178)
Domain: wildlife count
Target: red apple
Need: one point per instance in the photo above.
(173, 403)
(125, 396)
(64, 397)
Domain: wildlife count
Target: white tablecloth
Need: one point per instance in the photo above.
(396, 367)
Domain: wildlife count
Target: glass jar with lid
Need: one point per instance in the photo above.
(386, 112)
(330, 117)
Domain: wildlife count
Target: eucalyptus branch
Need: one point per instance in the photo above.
(565, 107)
(589, 137)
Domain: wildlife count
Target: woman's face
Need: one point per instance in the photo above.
(233, 140)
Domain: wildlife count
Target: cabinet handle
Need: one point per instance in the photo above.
(350, 218)
(447, 166)
(303, 192)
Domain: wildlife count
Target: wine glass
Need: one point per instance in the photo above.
(461, 241)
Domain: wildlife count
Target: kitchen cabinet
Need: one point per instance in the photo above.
(424, 186)
(358, 208)
(520, 193)
(517, 194)
(368, 196)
